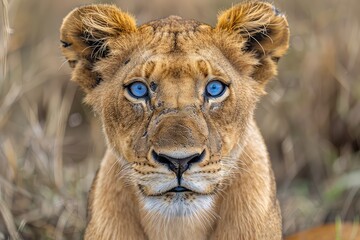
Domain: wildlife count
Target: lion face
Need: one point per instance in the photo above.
(175, 97)
(175, 137)
(170, 119)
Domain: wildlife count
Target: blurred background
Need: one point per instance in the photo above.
(51, 144)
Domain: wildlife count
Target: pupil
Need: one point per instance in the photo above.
(215, 88)
(138, 89)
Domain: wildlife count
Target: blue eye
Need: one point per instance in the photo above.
(215, 88)
(138, 90)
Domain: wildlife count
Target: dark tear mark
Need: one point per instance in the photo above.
(127, 61)
(160, 104)
(153, 86)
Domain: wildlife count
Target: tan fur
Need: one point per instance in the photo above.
(233, 189)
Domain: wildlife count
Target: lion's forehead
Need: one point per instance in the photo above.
(176, 24)
(172, 48)
(177, 68)
(175, 35)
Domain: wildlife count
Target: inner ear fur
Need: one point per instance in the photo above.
(262, 29)
(86, 35)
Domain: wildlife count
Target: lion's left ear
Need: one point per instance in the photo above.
(263, 30)
(87, 34)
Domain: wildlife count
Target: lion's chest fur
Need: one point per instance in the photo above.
(177, 229)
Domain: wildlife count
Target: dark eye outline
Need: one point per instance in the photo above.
(225, 86)
(128, 88)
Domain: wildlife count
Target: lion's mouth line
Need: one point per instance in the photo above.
(179, 189)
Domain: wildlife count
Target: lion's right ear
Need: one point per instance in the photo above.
(86, 35)
(262, 29)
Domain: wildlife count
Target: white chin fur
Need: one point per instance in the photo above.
(177, 205)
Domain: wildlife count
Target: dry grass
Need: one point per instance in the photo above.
(50, 144)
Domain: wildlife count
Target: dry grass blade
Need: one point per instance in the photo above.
(6, 31)
(60, 132)
(9, 220)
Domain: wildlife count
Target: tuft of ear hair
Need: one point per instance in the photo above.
(86, 34)
(262, 29)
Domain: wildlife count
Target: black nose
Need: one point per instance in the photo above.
(178, 165)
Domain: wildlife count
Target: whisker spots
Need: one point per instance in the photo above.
(207, 171)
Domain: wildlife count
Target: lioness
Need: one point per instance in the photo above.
(176, 98)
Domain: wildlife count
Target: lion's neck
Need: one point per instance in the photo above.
(162, 228)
